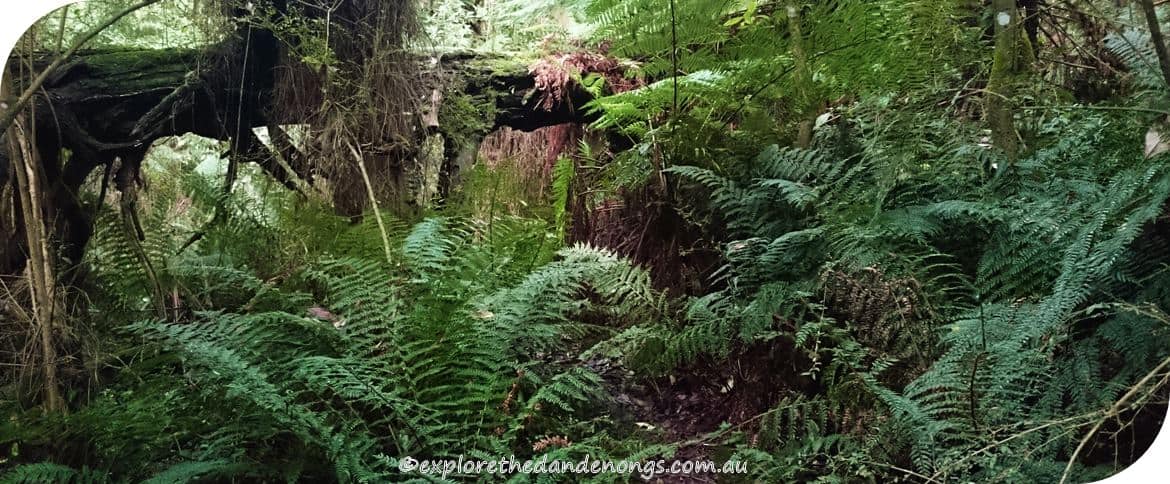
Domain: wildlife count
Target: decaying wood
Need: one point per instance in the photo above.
(10, 112)
(113, 104)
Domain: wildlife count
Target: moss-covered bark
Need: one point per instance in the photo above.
(1157, 39)
(802, 79)
(109, 104)
(1011, 68)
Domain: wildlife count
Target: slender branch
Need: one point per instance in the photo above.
(29, 91)
(42, 283)
(61, 30)
(666, 161)
(237, 136)
(904, 471)
(772, 81)
(1156, 37)
(1098, 108)
(1114, 410)
(971, 455)
(674, 53)
(374, 203)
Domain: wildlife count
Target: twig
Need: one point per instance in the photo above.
(1156, 38)
(1114, 410)
(764, 86)
(373, 203)
(904, 471)
(1101, 108)
(61, 29)
(1015, 436)
(674, 53)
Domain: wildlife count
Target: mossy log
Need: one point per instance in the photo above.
(108, 96)
(111, 103)
(105, 106)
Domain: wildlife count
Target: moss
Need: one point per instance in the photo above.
(129, 62)
(464, 117)
(1010, 70)
(501, 66)
(114, 72)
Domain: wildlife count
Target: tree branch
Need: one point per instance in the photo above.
(30, 90)
(1158, 40)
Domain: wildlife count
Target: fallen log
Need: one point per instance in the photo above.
(107, 105)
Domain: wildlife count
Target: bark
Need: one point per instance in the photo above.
(1013, 58)
(16, 108)
(1157, 38)
(802, 79)
(1031, 11)
(42, 282)
(508, 87)
(113, 104)
(109, 101)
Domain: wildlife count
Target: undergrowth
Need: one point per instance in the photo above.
(893, 298)
(318, 360)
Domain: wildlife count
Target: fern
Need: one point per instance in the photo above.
(334, 361)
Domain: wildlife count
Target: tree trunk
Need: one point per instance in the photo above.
(42, 282)
(1157, 39)
(1013, 59)
(1030, 9)
(802, 74)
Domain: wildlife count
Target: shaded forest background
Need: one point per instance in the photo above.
(839, 240)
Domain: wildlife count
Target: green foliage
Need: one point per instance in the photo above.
(500, 25)
(332, 367)
(738, 71)
(563, 173)
(173, 23)
(1136, 50)
(839, 257)
(911, 305)
(447, 25)
(1037, 358)
(49, 472)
